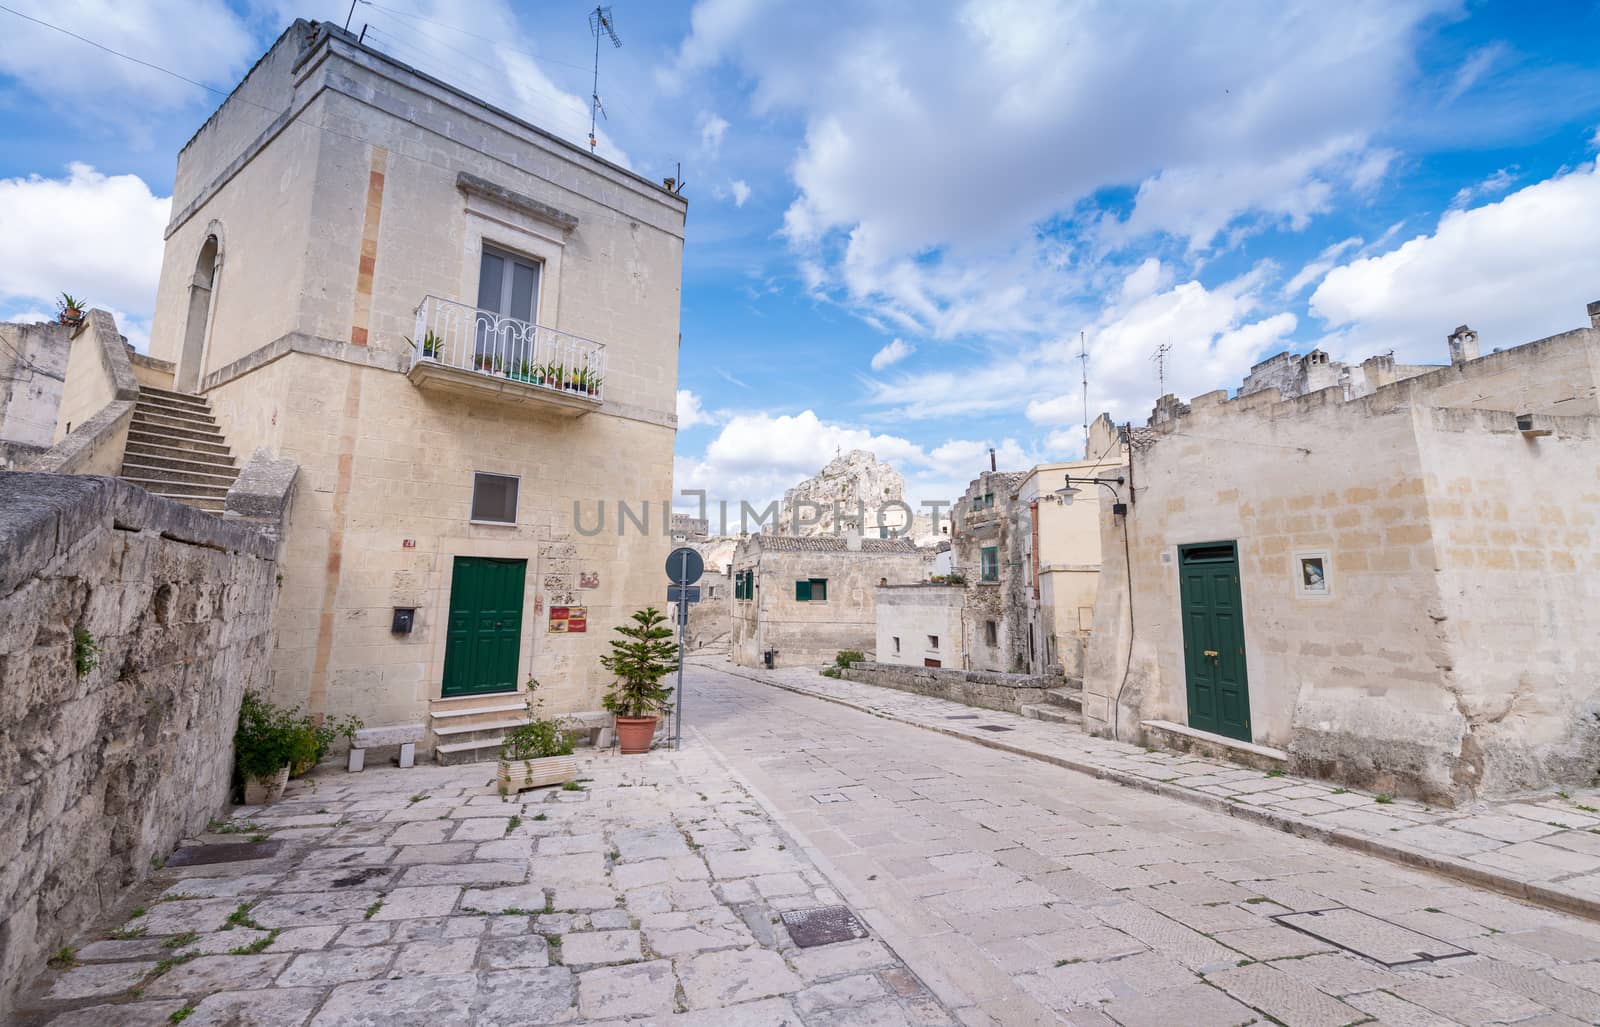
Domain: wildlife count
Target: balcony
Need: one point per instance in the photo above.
(459, 348)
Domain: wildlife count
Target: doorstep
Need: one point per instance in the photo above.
(1191, 739)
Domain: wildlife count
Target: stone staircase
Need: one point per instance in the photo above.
(1061, 706)
(176, 450)
(471, 728)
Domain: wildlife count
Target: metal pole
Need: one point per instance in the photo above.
(683, 621)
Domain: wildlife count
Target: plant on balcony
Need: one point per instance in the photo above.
(595, 382)
(432, 344)
(69, 309)
(555, 374)
(523, 371)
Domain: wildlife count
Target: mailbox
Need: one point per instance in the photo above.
(405, 618)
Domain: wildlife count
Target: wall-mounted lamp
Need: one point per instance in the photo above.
(1070, 490)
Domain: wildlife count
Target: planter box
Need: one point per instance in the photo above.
(517, 775)
(259, 791)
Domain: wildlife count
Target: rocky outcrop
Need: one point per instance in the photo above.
(854, 490)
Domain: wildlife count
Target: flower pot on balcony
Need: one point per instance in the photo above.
(259, 791)
(634, 734)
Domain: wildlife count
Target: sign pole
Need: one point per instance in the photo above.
(683, 620)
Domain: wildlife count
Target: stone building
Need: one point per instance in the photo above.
(33, 367)
(921, 624)
(802, 599)
(1396, 590)
(465, 332)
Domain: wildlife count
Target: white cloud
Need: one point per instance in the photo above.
(690, 411)
(1516, 270)
(893, 353)
(756, 456)
(918, 206)
(69, 74)
(1493, 185)
(712, 128)
(96, 236)
(741, 192)
(1315, 269)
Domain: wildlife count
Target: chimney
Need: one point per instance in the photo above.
(1594, 314)
(852, 539)
(1463, 345)
(991, 458)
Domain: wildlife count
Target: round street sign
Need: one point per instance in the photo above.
(684, 566)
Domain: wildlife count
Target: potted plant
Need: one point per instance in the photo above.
(266, 744)
(556, 374)
(640, 659)
(432, 345)
(69, 309)
(594, 383)
(537, 753)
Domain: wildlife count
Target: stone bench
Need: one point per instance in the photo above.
(406, 736)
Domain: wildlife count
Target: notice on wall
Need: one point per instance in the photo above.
(565, 620)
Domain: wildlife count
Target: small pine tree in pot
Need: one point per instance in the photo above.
(640, 659)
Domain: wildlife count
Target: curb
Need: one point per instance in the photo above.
(1550, 896)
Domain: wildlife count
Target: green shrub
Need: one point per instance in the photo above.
(269, 735)
(640, 659)
(846, 657)
(85, 651)
(535, 740)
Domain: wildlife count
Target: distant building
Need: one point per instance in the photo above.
(1397, 586)
(803, 599)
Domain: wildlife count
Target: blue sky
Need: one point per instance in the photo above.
(903, 216)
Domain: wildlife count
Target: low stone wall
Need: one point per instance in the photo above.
(981, 688)
(130, 627)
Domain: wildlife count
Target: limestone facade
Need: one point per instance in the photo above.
(921, 625)
(1416, 573)
(130, 627)
(779, 606)
(302, 246)
(33, 370)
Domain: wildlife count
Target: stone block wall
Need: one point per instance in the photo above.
(104, 768)
(984, 689)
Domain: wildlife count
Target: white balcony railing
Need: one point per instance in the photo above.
(463, 337)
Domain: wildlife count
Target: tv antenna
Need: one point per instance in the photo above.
(601, 23)
(1160, 357)
(1083, 357)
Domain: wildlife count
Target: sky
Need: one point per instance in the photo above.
(907, 221)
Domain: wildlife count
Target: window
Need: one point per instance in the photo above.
(508, 285)
(494, 498)
(991, 632)
(811, 590)
(744, 585)
(896, 640)
(989, 569)
(933, 641)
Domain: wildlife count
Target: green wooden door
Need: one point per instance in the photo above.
(1213, 640)
(485, 629)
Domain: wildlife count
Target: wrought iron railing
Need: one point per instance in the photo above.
(462, 336)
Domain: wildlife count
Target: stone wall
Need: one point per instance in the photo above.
(33, 367)
(103, 771)
(984, 689)
(921, 622)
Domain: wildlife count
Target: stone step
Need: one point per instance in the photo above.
(137, 435)
(174, 489)
(1068, 698)
(170, 459)
(135, 469)
(467, 729)
(174, 418)
(1052, 713)
(207, 503)
(198, 434)
(509, 702)
(167, 397)
(483, 747)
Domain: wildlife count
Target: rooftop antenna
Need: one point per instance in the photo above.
(1160, 357)
(601, 24)
(1083, 357)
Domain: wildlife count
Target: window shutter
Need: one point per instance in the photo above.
(802, 591)
(819, 590)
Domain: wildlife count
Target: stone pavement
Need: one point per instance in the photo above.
(417, 897)
(1545, 849)
(1024, 893)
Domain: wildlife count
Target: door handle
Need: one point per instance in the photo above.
(1210, 654)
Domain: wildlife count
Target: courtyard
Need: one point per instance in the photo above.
(992, 889)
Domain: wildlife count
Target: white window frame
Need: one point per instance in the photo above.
(516, 501)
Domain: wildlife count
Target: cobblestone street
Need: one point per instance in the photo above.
(996, 889)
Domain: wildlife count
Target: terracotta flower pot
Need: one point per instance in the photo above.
(634, 734)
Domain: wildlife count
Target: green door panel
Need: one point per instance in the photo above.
(483, 637)
(1213, 640)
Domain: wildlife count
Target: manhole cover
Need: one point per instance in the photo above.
(827, 797)
(222, 852)
(993, 727)
(823, 925)
(1373, 937)
(963, 716)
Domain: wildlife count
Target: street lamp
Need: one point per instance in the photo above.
(1070, 490)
